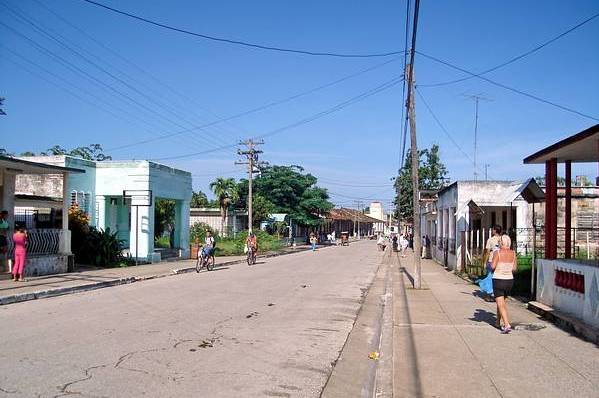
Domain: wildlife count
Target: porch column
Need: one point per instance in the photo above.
(551, 209)
(65, 236)
(142, 236)
(182, 225)
(101, 212)
(568, 215)
(8, 197)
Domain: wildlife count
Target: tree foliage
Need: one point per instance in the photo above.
(432, 174)
(262, 208)
(164, 216)
(225, 190)
(294, 192)
(199, 199)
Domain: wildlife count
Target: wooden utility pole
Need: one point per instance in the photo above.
(415, 158)
(251, 154)
(415, 180)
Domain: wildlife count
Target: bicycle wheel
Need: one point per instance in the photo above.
(249, 257)
(210, 263)
(199, 262)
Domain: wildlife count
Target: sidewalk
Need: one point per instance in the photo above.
(73, 282)
(446, 345)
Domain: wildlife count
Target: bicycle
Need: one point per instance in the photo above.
(251, 256)
(205, 261)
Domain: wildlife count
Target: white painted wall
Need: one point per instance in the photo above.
(585, 306)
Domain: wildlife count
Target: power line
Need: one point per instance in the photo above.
(239, 42)
(151, 99)
(177, 93)
(518, 57)
(338, 107)
(447, 133)
(259, 108)
(536, 98)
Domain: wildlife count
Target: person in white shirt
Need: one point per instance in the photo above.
(208, 244)
(381, 242)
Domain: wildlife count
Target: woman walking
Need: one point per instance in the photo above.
(313, 240)
(20, 240)
(504, 265)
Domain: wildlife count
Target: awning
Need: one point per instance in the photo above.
(472, 207)
(530, 192)
(579, 148)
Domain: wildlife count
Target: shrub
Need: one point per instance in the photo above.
(197, 232)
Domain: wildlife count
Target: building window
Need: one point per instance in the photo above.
(73, 198)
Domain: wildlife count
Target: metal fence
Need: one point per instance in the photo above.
(40, 242)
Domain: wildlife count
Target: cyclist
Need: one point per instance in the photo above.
(252, 243)
(208, 248)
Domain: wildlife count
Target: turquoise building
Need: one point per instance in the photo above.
(120, 195)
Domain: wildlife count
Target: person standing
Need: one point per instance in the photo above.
(504, 264)
(20, 240)
(313, 240)
(404, 243)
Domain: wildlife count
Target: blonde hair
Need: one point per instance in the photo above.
(505, 241)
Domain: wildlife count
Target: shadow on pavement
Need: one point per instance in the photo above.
(481, 315)
(405, 319)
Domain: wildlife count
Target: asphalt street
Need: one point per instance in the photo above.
(271, 330)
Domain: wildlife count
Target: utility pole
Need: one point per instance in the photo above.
(251, 154)
(414, 150)
(487, 171)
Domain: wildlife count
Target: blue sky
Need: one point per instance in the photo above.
(354, 151)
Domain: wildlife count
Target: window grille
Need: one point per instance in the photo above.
(73, 198)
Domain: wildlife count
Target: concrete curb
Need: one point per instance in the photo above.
(565, 321)
(61, 291)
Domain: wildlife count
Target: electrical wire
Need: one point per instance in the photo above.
(516, 58)
(186, 99)
(239, 42)
(338, 107)
(151, 99)
(517, 91)
(430, 110)
(259, 108)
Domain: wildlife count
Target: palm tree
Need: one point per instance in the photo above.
(225, 190)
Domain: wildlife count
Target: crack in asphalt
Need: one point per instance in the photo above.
(64, 389)
(7, 391)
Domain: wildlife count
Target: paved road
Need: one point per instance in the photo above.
(271, 330)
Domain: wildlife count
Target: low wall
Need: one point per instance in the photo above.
(571, 287)
(46, 265)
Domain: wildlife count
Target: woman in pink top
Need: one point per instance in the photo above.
(504, 264)
(20, 240)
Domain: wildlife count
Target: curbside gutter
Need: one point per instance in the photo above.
(61, 291)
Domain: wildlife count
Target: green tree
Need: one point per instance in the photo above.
(1, 104)
(294, 192)
(432, 174)
(164, 216)
(225, 190)
(262, 208)
(4, 152)
(199, 199)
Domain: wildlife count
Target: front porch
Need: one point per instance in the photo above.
(49, 238)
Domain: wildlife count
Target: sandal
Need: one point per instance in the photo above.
(506, 330)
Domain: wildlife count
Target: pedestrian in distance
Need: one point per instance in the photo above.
(313, 240)
(394, 240)
(404, 243)
(381, 243)
(20, 240)
(504, 264)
